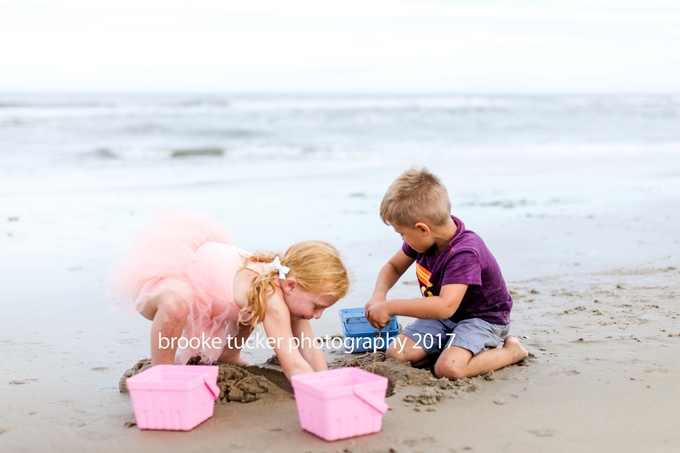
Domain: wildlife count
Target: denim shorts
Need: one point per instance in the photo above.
(474, 334)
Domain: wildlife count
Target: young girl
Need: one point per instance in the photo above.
(205, 296)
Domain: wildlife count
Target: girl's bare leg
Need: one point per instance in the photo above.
(232, 350)
(169, 313)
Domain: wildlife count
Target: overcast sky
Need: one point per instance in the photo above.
(367, 46)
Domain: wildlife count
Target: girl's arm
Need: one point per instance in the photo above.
(302, 329)
(277, 325)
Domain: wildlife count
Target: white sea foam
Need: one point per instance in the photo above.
(63, 131)
(368, 103)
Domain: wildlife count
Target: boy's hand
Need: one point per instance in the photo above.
(378, 314)
(373, 301)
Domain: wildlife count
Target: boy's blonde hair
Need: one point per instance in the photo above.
(315, 265)
(415, 196)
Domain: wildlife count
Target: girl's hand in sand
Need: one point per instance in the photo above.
(378, 314)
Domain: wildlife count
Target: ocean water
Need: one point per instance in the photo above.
(48, 136)
(554, 185)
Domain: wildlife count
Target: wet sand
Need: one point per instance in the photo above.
(594, 274)
(603, 364)
(604, 367)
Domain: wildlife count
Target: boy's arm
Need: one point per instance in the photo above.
(434, 307)
(388, 276)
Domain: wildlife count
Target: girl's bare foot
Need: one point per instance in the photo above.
(233, 358)
(512, 344)
(241, 361)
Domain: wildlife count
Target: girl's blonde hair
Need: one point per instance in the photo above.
(315, 265)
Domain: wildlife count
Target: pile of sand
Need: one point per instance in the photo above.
(239, 383)
(248, 383)
(429, 389)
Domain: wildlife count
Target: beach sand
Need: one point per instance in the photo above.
(593, 268)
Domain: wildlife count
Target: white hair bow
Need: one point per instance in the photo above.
(283, 270)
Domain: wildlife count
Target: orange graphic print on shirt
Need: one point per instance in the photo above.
(423, 275)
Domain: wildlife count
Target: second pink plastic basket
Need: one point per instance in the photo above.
(341, 403)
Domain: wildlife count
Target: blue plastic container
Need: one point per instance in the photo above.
(360, 335)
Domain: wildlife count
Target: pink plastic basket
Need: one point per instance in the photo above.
(341, 403)
(174, 397)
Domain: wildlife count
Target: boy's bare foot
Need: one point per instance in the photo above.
(512, 343)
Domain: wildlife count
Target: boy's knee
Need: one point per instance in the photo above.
(392, 352)
(450, 370)
(403, 351)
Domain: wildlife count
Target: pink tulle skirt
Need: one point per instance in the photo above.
(162, 259)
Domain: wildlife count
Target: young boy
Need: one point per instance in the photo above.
(465, 312)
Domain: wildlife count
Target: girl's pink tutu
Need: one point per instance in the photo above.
(162, 259)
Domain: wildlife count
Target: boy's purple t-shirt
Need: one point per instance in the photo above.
(466, 260)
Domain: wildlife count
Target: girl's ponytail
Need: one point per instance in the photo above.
(260, 289)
